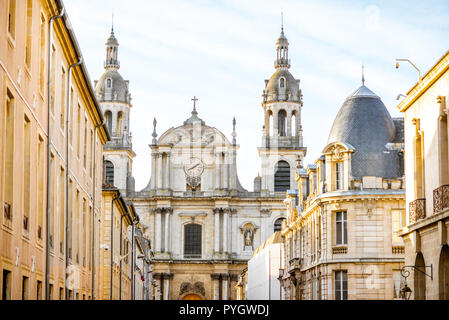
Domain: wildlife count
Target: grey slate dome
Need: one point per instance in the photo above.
(118, 90)
(365, 123)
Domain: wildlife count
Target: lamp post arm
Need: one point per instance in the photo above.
(413, 65)
(406, 273)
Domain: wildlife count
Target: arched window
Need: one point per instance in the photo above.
(108, 116)
(108, 173)
(119, 123)
(108, 83)
(270, 123)
(282, 123)
(444, 273)
(293, 124)
(278, 224)
(420, 278)
(282, 177)
(282, 83)
(192, 240)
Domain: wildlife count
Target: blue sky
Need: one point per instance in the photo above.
(221, 52)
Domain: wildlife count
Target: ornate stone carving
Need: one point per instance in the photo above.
(193, 182)
(187, 287)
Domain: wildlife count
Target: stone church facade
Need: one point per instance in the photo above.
(203, 225)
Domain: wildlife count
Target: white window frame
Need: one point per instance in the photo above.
(342, 281)
(344, 227)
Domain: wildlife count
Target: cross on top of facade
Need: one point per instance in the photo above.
(195, 99)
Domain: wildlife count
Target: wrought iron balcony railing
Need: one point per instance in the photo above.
(440, 198)
(417, 209)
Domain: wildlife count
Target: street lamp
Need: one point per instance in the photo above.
(405, 292)
(407, 60)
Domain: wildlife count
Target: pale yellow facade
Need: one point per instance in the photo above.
(426, 239)
(26, 140)
(117, 230)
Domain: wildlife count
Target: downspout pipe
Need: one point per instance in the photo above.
(93, 206)
(132, 260)
(47, 247)
(112, 244)
(67, 167)
(120, 255)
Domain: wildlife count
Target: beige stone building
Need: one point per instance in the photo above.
(116, 246)
(340, 237)
(51, 138)
(427, 169)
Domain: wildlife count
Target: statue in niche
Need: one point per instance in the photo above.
(248, 237)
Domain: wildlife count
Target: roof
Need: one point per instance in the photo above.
(272, 87)
(119, 87)
(364, 122)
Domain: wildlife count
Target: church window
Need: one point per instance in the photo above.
(282, 177)
(341, 285)
(339, 175)
(108, 173)
(119, 123)
(282, 123)
(278, 224)
(108, 116)
(293, 123)
(109, 83)
(192, 240)
(282, 83)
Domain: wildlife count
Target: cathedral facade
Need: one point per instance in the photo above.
(203, 225)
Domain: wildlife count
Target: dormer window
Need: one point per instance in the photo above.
(282, 83)
(109, 83)
(339, 175)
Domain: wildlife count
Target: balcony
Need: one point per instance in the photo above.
(417, 210)
(294, 265)
(397, 250)
(440, 198)
(339, 250)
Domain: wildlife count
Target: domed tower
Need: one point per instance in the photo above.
(282, 143)
(115, 101)
(365, 145)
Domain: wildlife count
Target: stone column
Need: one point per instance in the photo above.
(225, 229)
(275, 123)
(153, 170)
(159, 171)
(167, 287)
(217, 230)
(158, 231)
(167, 172)
(215, 280)
(289, 124)
(217, 170)
(167, 229)
(225, 284)
(225, 168)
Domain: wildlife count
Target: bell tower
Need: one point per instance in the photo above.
(282, 147)
(115, 101)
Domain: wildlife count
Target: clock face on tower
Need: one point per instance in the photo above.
(193, 167)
